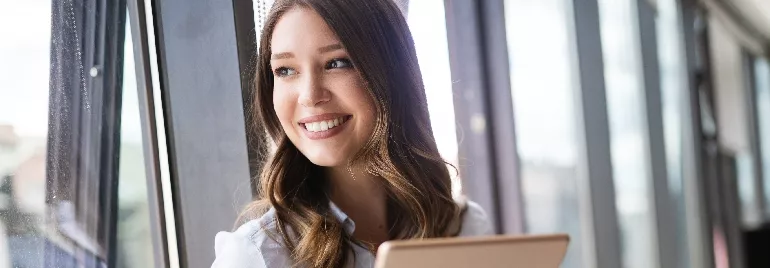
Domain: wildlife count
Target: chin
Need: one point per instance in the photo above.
(326, 160)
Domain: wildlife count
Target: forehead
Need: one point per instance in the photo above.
(301, 29)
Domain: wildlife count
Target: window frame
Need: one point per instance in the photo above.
(84, 119)
(699, 235)
(205, 149)
(483, 106)
(754, 132)
(161, 214)
(665, 245)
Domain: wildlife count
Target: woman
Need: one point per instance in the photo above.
(339, 90)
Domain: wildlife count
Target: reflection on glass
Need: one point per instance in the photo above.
(543, 100)
(261, 8)
(134, 245)
(625, 101)
(762, 74)
(675, 103)
(428, 26)
(24, 72)
(54, 129)
(746, 165)
(746, 187)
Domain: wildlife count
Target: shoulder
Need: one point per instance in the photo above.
(475, 221)
(253, 244)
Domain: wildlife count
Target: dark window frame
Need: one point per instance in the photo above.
(208, 150)
(150, 130)
(700, 241)
(84, 119)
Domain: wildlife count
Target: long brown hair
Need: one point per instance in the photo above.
(401, 150)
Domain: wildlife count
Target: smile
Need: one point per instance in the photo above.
(323, 126)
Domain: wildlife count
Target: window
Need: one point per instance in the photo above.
(675, 101)
(134, 246)
(543, 94)
(63, 192)
(762, 98)
(625, 107)
(427, 23)
(23, 130)
(261, 8)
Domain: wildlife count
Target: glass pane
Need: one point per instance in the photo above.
(261, 8)
(746, 189)
(762, 75)
(625, 100)
(24, 72)
(428, 25)
(134, 247)
(674, 93)
(59, 153)
(543, 99)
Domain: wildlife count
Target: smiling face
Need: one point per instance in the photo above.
(319, 97)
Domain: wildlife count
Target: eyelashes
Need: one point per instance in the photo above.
(337, 63)
(284, 71)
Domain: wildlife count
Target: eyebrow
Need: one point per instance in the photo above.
(322, 50)
(330, 48)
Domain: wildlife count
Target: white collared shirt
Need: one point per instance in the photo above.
(251, 246)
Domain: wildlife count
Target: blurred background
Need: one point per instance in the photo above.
(639, 127)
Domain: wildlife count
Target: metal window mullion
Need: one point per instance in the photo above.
(146, 76)
(754, 135)
(470, 104)
(699, 232)
(764, 75)
(110, 71)
(664, 219)
(484, 110)
(246, 33)
(596, 191)
(510, 203)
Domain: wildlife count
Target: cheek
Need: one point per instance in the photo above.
(283, 104)
(355, 95)
(370, 113)
(353, 92)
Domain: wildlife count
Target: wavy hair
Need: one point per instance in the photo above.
(401, 150)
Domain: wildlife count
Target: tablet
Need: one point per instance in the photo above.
(537, 251)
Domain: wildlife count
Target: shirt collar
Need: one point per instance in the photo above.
(347, 223)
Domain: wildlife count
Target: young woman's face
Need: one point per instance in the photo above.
(319, 96)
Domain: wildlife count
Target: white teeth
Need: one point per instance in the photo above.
(324, 125)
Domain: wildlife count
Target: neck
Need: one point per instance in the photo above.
(353, 185)
(363, 198)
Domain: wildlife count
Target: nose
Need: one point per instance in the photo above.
(312, 92)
